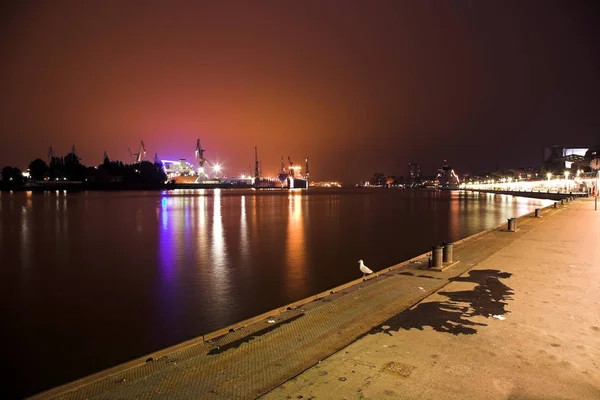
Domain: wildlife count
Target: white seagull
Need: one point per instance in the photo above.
(363, 268)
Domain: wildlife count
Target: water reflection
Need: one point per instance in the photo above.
(295, 248)
(244, 246)
(454, 219)
(216, 271)
(201, 230)
(218, 250)
(167, 246)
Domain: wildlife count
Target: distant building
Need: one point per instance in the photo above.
(414, 173)
(558, 158)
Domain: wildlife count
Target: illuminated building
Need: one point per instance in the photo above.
(175, 169)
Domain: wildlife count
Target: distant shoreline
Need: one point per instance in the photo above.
(113, 186)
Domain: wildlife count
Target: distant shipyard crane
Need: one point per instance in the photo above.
(200, 160)
(74, 154)
(50, 155)
(294, 170)
(256, 168)
(139, 156)
(141, 152)
(200, 154)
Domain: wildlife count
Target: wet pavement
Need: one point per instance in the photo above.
(406, 333)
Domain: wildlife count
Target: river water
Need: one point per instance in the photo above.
(93, 279)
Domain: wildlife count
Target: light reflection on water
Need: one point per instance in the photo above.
(295, 248)
(131, 272)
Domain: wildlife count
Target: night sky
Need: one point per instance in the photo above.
(357, 86)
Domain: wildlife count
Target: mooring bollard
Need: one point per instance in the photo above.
(436, 252)
(512, 224)
(537, 212)
(556, 204)
(448, 252)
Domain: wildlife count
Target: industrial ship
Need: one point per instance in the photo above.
(447, 178)
(292, 178)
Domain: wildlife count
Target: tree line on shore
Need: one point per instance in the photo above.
(70, 169)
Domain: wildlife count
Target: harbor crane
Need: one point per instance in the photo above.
(294, 170)
(200, 154)
(74, 154)
(50, 155)
(139, 156)
(256, 167)
(200, 160)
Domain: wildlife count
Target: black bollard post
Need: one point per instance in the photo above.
(512, 224)
(436, 252)
(448, 252)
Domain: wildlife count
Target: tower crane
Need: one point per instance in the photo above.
(50, 155)
(139, 156)
(256, 168)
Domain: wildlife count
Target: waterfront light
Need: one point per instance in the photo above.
(216, 169)
(549, 175)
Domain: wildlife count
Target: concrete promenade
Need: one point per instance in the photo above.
(517, 317)
(522, 324)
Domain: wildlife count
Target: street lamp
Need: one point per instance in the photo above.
(549, 175)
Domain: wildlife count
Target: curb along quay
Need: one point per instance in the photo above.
(518, 316)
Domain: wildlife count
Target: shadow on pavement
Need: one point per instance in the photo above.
(487, 299)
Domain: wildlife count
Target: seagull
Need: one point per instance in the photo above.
(363, 268)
